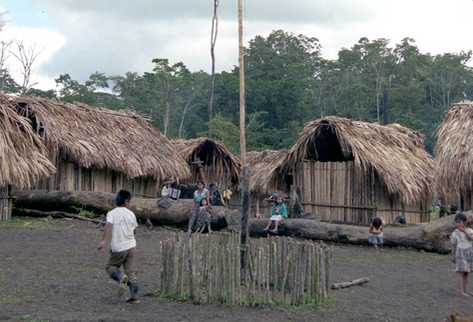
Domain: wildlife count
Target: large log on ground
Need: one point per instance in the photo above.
(168, 212)
(432, 237)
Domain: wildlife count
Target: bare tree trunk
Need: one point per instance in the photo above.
(213, 40)
(26, 56)
(184, 113)
(167, 117)
(4, 54)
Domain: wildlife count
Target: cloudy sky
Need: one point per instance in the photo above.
(114, 36)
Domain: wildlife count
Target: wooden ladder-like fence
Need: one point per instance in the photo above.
(206, 269)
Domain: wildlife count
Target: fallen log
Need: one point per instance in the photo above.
(358, 281)
(58, 214)
(430, 237)
(168, 212)
(433, 237)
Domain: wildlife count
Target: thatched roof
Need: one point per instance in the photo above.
(454, 152)
(265, 172)
(96, 137)
(23, 157)
(395, 153)
(220, 164)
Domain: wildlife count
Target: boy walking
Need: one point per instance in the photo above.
(120, 230)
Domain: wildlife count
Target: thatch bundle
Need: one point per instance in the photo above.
(219, 164)
(454, 152)
(395, 153)
(23, 157)
(104, 139)
(265, 170)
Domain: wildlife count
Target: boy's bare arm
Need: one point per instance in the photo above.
(107, 233)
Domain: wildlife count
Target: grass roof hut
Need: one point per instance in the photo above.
(23, 157)
(348, 171)
(217, 163)
(96, 149)
(454, 156)
(266, 176)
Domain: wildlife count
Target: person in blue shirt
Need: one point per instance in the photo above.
(278, 214)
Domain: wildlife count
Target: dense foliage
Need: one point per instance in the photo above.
(288, 83)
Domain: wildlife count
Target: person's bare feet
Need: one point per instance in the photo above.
(465, 294)
(274, 231)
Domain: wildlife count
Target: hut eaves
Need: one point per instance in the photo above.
(23, 156)
(96, 137)
(223, 162)
(454, 152)
(265, 170)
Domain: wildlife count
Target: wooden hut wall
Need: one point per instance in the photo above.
(338, 193)
(6, 203)
(70, 177)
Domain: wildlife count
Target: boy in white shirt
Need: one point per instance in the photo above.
(120, 229)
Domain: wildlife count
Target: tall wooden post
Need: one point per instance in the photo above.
(245, 172)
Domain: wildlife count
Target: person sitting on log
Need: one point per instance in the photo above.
(204, 217)
(216, 198)
(278, 214)
(376, 233)
(227, 196)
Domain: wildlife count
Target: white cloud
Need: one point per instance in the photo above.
(45, 41)
(116, 36)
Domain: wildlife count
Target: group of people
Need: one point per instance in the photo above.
(121, 224)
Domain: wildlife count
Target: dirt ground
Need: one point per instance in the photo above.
(51, 270)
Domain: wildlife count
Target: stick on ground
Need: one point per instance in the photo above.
(358, 281)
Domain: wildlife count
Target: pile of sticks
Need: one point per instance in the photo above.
(206, 269)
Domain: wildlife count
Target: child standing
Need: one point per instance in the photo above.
(120, 230)
(200, 194)
(462, 251)
(278, 214)
(376, 233)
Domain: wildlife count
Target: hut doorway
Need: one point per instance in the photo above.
(6, 202)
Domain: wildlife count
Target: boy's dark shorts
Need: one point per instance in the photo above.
(125, 258)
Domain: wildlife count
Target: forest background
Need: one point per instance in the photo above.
(288, 83)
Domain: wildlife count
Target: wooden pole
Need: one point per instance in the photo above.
(245, 195)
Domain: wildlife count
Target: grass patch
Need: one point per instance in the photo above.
(28, 318)
(27, 222)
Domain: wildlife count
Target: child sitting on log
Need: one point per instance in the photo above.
(278, 214)
(376, 233)
(205, 217)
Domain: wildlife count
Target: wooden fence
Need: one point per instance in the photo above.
(282, 270)
(340, 193)
(6, 203)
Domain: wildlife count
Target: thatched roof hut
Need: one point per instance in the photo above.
(219, 165)
(454, 156)
(265, 170)
(117, 143)
(383, 168)
(23, 157)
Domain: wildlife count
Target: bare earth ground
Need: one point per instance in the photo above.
(51, 270)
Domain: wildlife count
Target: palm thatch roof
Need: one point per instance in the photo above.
(220, 165)
(265, 170)
(97, 137)
(454, 152)
(395, 153)
(23, 156)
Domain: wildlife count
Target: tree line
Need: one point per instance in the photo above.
(288, 83)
